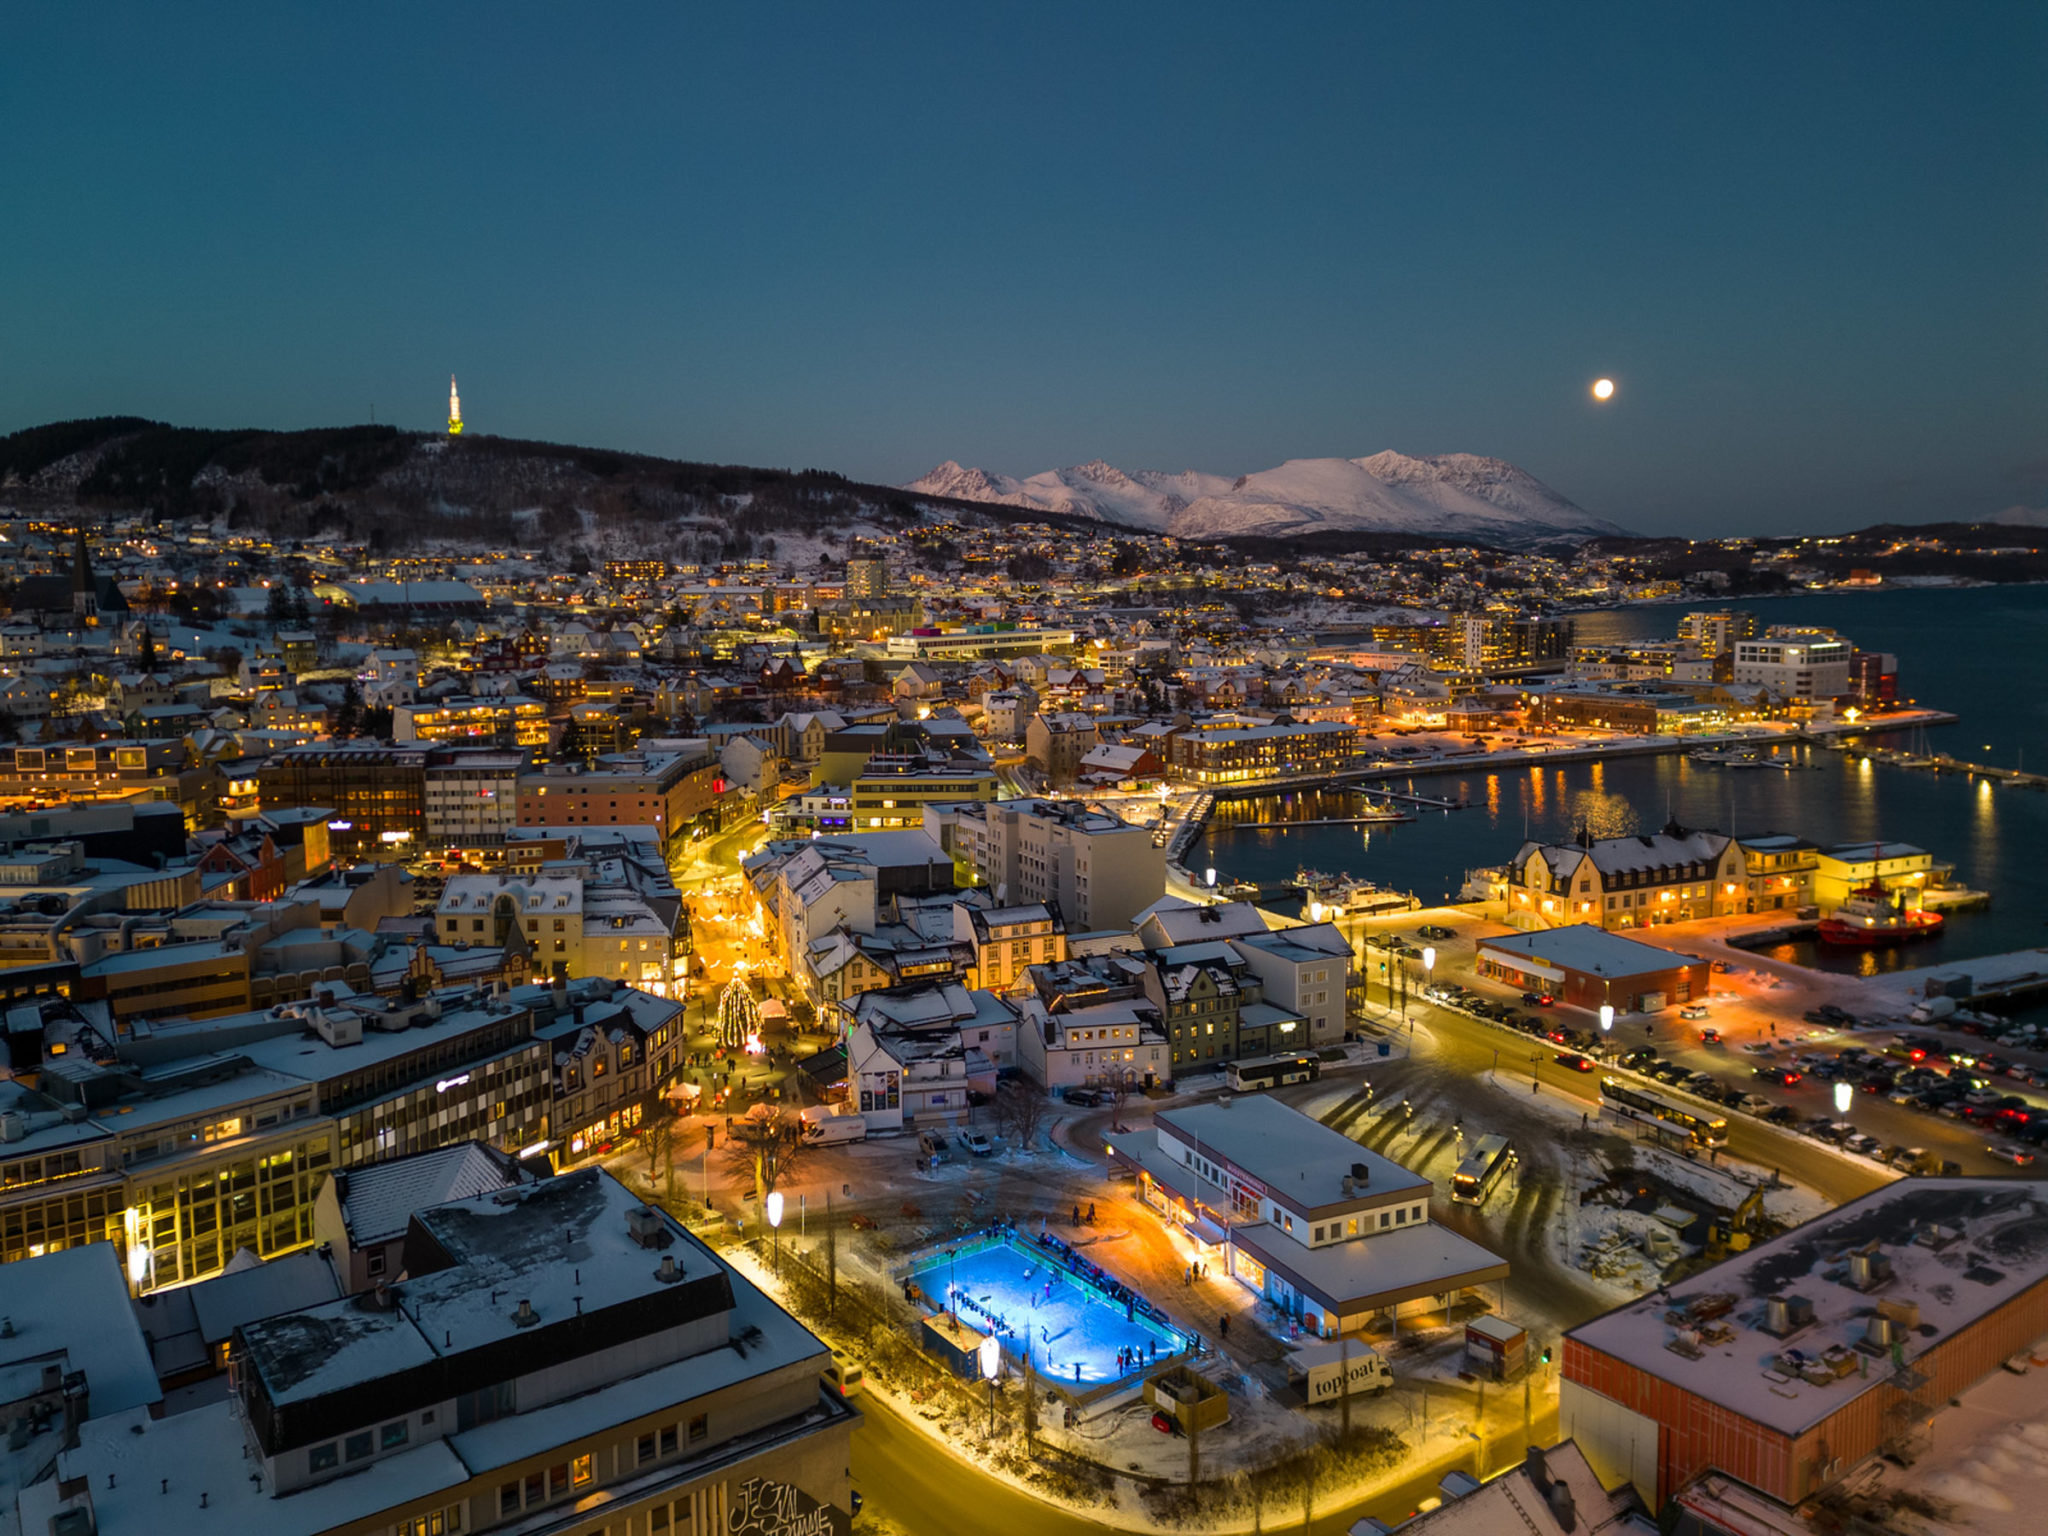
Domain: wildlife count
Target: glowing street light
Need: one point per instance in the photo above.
(1606, 1017)
(1845, 1095)
(775, 1224)
(991, 1354)
(1428, 963)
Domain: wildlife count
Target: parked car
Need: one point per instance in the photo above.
(1693, 1011)
(1759, 1048)
(1085, 1098)
(977, 1143)
(931, 1144)
(1753, 1104)
(1640, 1057)
(1781, 1114)
(1433, 931)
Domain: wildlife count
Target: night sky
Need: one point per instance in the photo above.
(1806, 240)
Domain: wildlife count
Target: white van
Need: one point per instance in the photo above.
(822, 1128)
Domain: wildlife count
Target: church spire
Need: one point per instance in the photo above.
(84, 589)
(454, 409)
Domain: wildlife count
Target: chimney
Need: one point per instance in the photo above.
(668, 1272)
(1361, 1174)
(525, 1317)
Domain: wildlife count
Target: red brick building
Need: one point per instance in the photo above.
(1586, 966)
(1788, 1366)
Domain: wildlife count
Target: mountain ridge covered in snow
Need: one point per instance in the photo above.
(1455, 493)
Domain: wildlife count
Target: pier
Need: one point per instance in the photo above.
(1386, 818)
(1942, 762)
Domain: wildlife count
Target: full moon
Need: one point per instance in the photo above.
(1603, 389)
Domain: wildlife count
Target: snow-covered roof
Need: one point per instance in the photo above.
(378, 1200)
(1420, 1259)
(1553, 1492)
(240, 1296)
(75, 1301)
(1588, 950)
(1956, 1250)
(1301, 1160)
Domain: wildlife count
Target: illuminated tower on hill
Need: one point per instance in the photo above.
(454, 409)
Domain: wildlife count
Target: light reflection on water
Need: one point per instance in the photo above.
(1994, 837)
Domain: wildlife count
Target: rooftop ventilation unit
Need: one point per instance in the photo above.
(1867, 1271)
(647, 1227)
(1786, 1315)
(525, 1317)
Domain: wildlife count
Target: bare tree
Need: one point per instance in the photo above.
(1020, 1110)
(1121, 1086)
(659, 1138)
(768, 1146)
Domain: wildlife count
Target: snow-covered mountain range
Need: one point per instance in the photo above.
(1452, 493)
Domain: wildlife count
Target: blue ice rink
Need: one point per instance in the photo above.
(1003, 1284)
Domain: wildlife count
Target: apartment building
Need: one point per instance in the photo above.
(1254, 752)
(508, 720)
(1804, 665)
(1098, 870)
(1088, 1022)
(471, 799)
(1055, 744)
(605, 908)
(664, 787)
(1307, 971)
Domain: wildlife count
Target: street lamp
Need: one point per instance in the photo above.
(775, 1224)
(1845, 1095)
(1428, 966)
(1606, 1018)
(991, 1353)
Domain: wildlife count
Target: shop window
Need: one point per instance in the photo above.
(322, 1458)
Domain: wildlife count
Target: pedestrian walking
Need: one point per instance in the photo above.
(1223, 1325)
(1077, 1215)
(1091, 1213)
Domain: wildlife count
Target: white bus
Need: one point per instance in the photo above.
(1662, 1114)
(1273, 1072)
(1481, 1169)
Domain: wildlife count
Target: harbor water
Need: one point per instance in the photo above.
(1996, 838)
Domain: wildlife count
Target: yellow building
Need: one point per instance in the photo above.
(1842, 871)
(892, 792)
(1673, 876)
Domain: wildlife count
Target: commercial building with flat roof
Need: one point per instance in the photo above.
(1333, 1235)
(1587, 967)
(1791, 1365)
(557, 1357)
